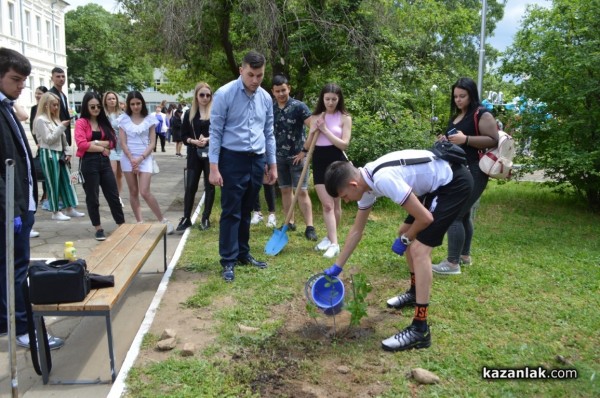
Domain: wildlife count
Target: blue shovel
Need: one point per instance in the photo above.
(280, 239)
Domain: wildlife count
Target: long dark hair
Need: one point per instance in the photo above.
(335, 89)
(138, 95)
(103, 121)
(466, 83)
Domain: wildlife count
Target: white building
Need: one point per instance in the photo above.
(36, 29)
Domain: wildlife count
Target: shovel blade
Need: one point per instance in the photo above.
(277, 241)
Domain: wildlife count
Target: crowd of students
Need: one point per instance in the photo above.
(241, 138)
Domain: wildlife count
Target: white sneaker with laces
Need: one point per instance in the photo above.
(272, 221)
(34, 234)
(58, 216)
(256, 218)
(332, 251)
(75, 213)
(53, 342)
(170, 228)
(323, 244)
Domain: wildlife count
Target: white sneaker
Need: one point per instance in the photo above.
(256, 218)
(54, 343)
(170, 228)
(75, 213)
(58, 216)
(332, 251)
(34, 234)
(121, 202)
(323, 244)
(272, 221)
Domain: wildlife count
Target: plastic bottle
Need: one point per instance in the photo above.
(70, 251)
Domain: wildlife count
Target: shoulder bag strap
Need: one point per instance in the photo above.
(33, 347)
(404, 162)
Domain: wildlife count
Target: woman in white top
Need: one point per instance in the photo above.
(137, 136)
(55, 157)
(110, 104)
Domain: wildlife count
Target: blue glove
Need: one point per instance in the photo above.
(18, 225)
(334, 270)
(398, 247)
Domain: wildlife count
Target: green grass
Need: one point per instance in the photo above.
(531, 295)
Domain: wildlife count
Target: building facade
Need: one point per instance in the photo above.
(36, 29)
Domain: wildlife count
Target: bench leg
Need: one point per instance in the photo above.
(111, 354)
(37, 320)
(165, 251)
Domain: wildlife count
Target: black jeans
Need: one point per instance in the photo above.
(97, 173)
(160, 137)
(242, 178)
(195, 168)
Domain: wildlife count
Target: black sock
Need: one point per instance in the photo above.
(420, 319)
(412, 289)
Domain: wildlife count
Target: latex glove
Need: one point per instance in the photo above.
(18, 225)
(334, 270)
(398, 247)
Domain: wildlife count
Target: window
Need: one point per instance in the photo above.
(27, 26)
(38, 25)
(42, 82)
(11, 19)
(48, 35)
(31, 83)
(56, 38)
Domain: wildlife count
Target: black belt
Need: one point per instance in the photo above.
(249, 154)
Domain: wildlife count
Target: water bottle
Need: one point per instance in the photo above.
(70, 251)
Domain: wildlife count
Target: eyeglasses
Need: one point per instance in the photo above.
(92, 107)
(202, 95)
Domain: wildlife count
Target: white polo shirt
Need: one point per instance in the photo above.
(398, 182)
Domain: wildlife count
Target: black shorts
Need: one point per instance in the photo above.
(445, 204)
(323, 156)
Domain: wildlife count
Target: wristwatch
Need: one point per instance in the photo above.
(404, 239)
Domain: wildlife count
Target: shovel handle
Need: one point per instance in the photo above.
(311, 149)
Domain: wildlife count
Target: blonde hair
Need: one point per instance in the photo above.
(44, 107)
(108, 111)
(194, 108)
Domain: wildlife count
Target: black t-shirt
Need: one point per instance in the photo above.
(467, 126)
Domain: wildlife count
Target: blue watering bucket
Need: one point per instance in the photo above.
(326, 293)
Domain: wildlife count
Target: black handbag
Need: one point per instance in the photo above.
(37, 165)
(61, 281)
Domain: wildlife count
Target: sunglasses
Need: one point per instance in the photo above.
(202, 95)
(92, 107)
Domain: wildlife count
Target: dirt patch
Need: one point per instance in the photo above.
(289, 366)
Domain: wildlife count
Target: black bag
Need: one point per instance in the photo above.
(449, 152)
(60, 281)
(202, 152)
(37, 165)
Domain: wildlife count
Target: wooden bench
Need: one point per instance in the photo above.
(122, 255)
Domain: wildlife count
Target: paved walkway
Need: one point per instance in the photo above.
(85, 354)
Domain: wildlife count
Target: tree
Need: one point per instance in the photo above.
(102, 51)
(556, 57)
(385, 54)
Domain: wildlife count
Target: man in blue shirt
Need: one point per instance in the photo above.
(242, 150)
(290, 116)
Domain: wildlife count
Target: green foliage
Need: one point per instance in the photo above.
(102, 51)
(358, 305)
(556, 54)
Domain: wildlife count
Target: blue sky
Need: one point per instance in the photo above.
(503, 36)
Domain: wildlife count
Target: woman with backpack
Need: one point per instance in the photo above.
(476, 130)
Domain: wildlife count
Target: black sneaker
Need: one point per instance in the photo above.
(405, 299)
(228, 274)
(310, 233)
(407, 339)
(100, 235)
(204, 224)
(291, 227)
(184, 224)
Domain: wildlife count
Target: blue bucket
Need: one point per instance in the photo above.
(326, 293)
